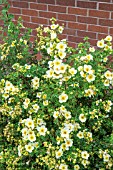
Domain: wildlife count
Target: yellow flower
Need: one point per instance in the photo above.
(44, 96)
(100, 44)
(45, 103)
(56, 114)
(84, 154)
(35, 107)
(76, 167)
(90, 77)
(54, 26)
(62, 68)
(69, 142)
(27, 101)
(63, 146)
(108, 38)
(80, 135)
(50, 73)
(29, 123)
(67, 115)
(64, 133)
(29, 148)
(106, 82)
(24, 132)
(42, 130)
(108, 75)
(89, 92)
(63, 98)
(59, 153)
(92, 49)
(61, 54)
(82, 118)
(53, 35)
(87, 68)
(63, 167)
(72, 71)
(61, 46)
(89, 56)
(80, 68)
(32, 137)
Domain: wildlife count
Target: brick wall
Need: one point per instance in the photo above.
(92, 18)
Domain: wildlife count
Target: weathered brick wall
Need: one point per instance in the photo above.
(80, 17)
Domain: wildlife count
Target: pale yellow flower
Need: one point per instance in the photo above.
(108, 38)
(69, 142)
(32, 137)
(87, 68)
(100, 44)
(45, 102)
(76, 167)
(92, 49)
(64, 133)
(63, 167)
(61, 54)
(72, 71)
(59, 153)
(63, 98)
(29, 123)
(80, 135)
(84, 154)
(82, 118)
(61, 46)
(56, 114)
(90, 77)
(42, 130)
(108, 75)
(29, 147)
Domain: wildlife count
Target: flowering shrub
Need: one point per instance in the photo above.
(56, 113)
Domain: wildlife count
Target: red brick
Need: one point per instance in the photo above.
(67, 17)
(75, 39)
(111, 31)
(104, 0)
(77, 11)
(86, 34)
(30, 25)
(46, 1)
(84, 4)
(88, 20)
(92, 42)
(62, 36)
(39, 20)
(38, 6)
(20, 4)
(32, 38)
(15, 10)
(106, 6)
(34, 32)
(69, 31)
(24, 17)
(101, 36)
(100, 14)
(95, 28)
(106, 22)
(57, 9)
(75, 25)
(29, 12)
(47, 14)
(65, 2)
(112, 15)
(71, 44)
(62, 23)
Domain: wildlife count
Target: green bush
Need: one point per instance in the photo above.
(56, 112)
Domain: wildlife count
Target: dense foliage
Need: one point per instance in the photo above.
(56, 112)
